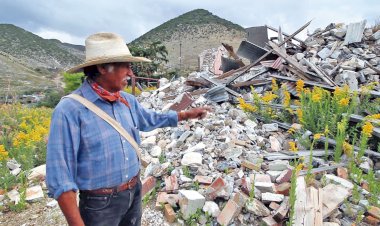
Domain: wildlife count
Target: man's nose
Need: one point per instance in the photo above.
(130, 72)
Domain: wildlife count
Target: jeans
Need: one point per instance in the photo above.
(119, 209)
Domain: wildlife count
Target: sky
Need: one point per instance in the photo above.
(72, 21)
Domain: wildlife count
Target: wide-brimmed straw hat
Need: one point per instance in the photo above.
(104, 48)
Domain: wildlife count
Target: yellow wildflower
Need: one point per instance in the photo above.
(375, 116)
(299, 167)
(347, 149)
(245, 106)
(299, 114)
(291, 130)
(268, 97)
(316, 98)
(307, 91)
(326, 132)
(317, 136)
(3, 153)
(286, 98)
(297, 102)
(367, 129)
(292, 146)
(344, 102)
(274, 85)
(299, 86)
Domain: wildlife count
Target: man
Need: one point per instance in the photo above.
(86, 154)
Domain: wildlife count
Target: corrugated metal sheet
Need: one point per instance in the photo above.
(258, 35)
(354, 32)
(228, 64)
(253, 52)
(217, 94)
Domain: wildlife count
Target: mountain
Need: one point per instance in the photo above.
(31, 63)
(191, 33)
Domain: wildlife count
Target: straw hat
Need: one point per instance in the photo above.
(104, 48)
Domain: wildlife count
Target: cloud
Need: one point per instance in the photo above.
(75, 20)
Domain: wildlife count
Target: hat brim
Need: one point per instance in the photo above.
(116, 59)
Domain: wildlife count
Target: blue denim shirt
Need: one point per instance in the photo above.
(84, 152)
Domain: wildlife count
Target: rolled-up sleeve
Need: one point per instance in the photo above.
(148, 120)
(62, 149)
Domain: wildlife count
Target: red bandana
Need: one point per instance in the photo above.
(111, 97)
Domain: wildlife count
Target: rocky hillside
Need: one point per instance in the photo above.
(190, 34)
(31, 63)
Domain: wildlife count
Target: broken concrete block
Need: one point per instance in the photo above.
(274, 205)
(16, 171)
(192, 159)
(258, 208)
(12, 164)
(34, 193)
(271, 197)
(349, 78)
(257, 177)
(265, 186)
(211, 208)
(190, 201)
(332, 197)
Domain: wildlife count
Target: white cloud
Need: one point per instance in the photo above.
(62, 36)
(75, 20)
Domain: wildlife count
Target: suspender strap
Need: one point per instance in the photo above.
(99, 112)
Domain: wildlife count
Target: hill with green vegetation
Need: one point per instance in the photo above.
(29, 63)
(186, 36)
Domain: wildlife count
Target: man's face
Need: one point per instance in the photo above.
(117, 75)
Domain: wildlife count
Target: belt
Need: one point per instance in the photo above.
(107, 191)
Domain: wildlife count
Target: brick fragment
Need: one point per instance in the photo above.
(148, 185)
(169, 213)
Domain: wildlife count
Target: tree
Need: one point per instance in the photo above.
(72, 81)
(155, 51)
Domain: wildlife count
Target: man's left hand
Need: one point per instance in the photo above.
(195, 113)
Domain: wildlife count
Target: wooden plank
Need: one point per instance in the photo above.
(368, 151)
(313, 216)
(300, 204)
(261, 82)
(308, 205)
(219, 84)
(322, 169)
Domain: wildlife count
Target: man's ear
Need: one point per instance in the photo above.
(101, 69)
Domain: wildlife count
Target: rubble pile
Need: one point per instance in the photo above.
(232, 167)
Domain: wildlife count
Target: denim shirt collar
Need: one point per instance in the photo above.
(88, 92)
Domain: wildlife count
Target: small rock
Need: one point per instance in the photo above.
(52, 204)
(156, 151)
(278, 165)
(211, 208)
(273, 127)
(34, 193)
